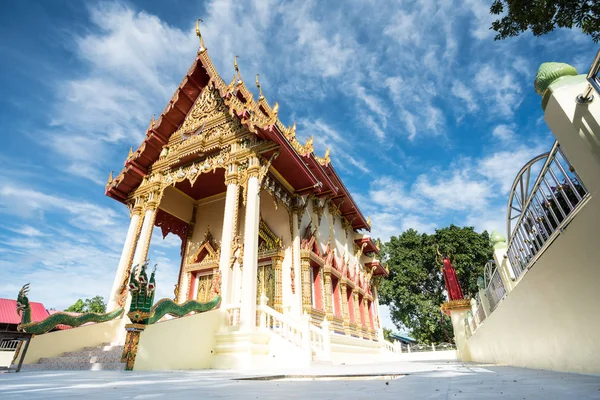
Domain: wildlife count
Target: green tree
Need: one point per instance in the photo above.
(94, 305)
(415, 289)
(543, 16)
(78, 307)
(386, 334)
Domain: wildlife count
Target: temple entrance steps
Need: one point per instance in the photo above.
(105, 357)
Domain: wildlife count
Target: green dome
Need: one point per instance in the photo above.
(549, 72)
(496, 237)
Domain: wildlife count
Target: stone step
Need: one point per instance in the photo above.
(104, 347)
(91, 353)
(103, 358)
(75, 366)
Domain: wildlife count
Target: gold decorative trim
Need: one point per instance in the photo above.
(463, 304)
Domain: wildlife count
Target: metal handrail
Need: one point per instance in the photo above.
(541, 216)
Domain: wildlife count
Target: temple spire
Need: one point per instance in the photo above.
(202, 47)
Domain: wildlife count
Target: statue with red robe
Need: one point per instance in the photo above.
(450, 279)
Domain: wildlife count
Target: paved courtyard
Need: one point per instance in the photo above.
(420, 380)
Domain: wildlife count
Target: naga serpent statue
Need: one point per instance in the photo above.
(47, 324)
(142, 310)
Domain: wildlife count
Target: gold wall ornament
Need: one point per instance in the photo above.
(318, 208)
(202, 48)
(237, 252)
(269, 240)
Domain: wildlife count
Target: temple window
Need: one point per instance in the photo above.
(371, 319)
(317, 288)
(361, 308)
(335, 293)
(351, 305)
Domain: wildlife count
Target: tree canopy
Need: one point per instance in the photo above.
(543, 16)
(94, 305)
(414, 290)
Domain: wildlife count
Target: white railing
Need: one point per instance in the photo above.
(304, 334)
(9, 345)
(390, 347)
(541, 210)
(233, 315)
(280, 324)
(495, 289)
(479, 311)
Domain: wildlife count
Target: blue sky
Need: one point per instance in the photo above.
(428, 118)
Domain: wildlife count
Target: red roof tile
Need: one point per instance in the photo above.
(8, 312)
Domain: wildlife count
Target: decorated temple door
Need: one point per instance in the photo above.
(265, 284)
(205, 288)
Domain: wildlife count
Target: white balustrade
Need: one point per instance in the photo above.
(233, 315)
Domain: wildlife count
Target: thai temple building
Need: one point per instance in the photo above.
(270, 236)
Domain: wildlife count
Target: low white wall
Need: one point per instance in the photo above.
(442, 355)
(182, 343)
(351, 350)
(55, 343)
(549, 321)
(6, 358)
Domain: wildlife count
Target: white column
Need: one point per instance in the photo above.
(125, 260)
(141, 252)
(248, 306)
(226, 242)
(379, 328)
(296, 264)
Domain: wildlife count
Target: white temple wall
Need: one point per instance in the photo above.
(209, 214)
(549, 320)
(181, 343)
(341, 238)
(176, 203)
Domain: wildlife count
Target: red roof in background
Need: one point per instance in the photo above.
(8, 312)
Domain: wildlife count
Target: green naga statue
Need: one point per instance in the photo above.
(142, 291)
(54, 320)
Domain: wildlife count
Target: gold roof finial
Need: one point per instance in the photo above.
(326, 157)
(276, 108)
(151, 122)
(202, 47)
(130, 152)
(260, 93)
(369, 221)
(237, 70)
(110, 178)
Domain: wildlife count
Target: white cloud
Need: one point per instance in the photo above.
(498, 87)
(464, 93)
(504, 132)
(502, 167)
(459, 191)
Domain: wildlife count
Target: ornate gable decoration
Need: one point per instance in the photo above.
(208, 106)
(268, 240)
(207, 255)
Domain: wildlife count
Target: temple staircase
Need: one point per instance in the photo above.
(105, 357)
(278, 340)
